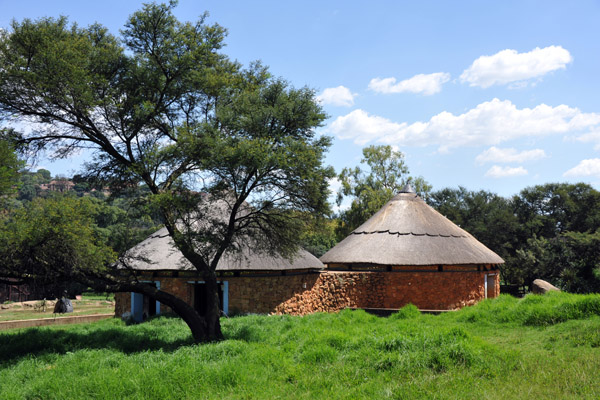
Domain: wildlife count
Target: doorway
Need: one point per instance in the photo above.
(490, 286)
(200, 297)
(143, 307)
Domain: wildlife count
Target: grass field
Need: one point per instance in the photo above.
(33, 309)
(543, 347)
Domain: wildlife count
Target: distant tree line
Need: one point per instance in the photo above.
(549, 231)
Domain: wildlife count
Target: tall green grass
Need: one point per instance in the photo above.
(534, 310)
(500, 348)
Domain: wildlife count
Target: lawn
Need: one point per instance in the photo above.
(34, 310)
(544, 347)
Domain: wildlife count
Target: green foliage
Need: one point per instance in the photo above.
(387, 174)
(9, 167)
(570, 260)
(548, 231)
(319, 235)
(52, 239)
(485, 215)
(406, 312)
(554, 208)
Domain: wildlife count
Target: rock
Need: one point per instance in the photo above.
(540, 287)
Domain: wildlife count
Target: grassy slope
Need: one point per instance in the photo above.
(538, 347)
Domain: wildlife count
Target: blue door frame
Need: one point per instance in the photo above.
(137, 304)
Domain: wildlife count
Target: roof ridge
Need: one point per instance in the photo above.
(409, 233)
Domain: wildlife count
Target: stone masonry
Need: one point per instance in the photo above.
(330, 291)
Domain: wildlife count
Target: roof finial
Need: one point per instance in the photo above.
(407, 189)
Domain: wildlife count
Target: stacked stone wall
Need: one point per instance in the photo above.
(331, 291)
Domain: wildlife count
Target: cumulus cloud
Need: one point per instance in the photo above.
(503, 172)
(589, 167)
(509, 155)
(590, 137)
(426, 84)
(508, 66)
(338, 96)
(363, 127)
(489, 123)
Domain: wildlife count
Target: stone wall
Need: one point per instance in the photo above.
(335, 290)
(330, 291)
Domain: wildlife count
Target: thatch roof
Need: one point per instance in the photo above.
(407, 231)
(158, 252)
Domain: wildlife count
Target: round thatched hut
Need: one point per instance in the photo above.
(413, 254)
(250, 282)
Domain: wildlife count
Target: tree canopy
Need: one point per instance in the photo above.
(10, 164)
(163, 107)
(546, 231)
(52, 239)
(369, 190)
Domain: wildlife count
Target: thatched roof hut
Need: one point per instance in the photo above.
(158, 252)
(407, 231)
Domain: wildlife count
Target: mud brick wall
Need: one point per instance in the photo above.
(435, 290)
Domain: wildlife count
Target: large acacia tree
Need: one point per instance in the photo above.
(162, 106)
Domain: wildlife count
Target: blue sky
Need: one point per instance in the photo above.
(487, 95)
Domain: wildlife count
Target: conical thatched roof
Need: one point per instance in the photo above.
(158, 252)
(407, 231)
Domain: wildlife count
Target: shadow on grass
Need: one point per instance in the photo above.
(127, 339)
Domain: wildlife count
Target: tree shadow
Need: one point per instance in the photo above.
(38, 342)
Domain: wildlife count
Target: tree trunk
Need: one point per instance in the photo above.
(213, 309)
(194, 321)
(197, 324)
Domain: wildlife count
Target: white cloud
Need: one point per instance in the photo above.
(338, 96)
(503, 172)
(489, 123)
(590, 137)
(334, 185)
(589, 167)
(510, 155)
(508, 66)
(426, 84)
(362, 127)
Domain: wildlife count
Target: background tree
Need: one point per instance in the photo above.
(557, 222)
(570, 260)
(487, 216)
(386, 175)
(10, 165)
(546, 231)
(163, 107)
(52, 240)
(554, 208)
